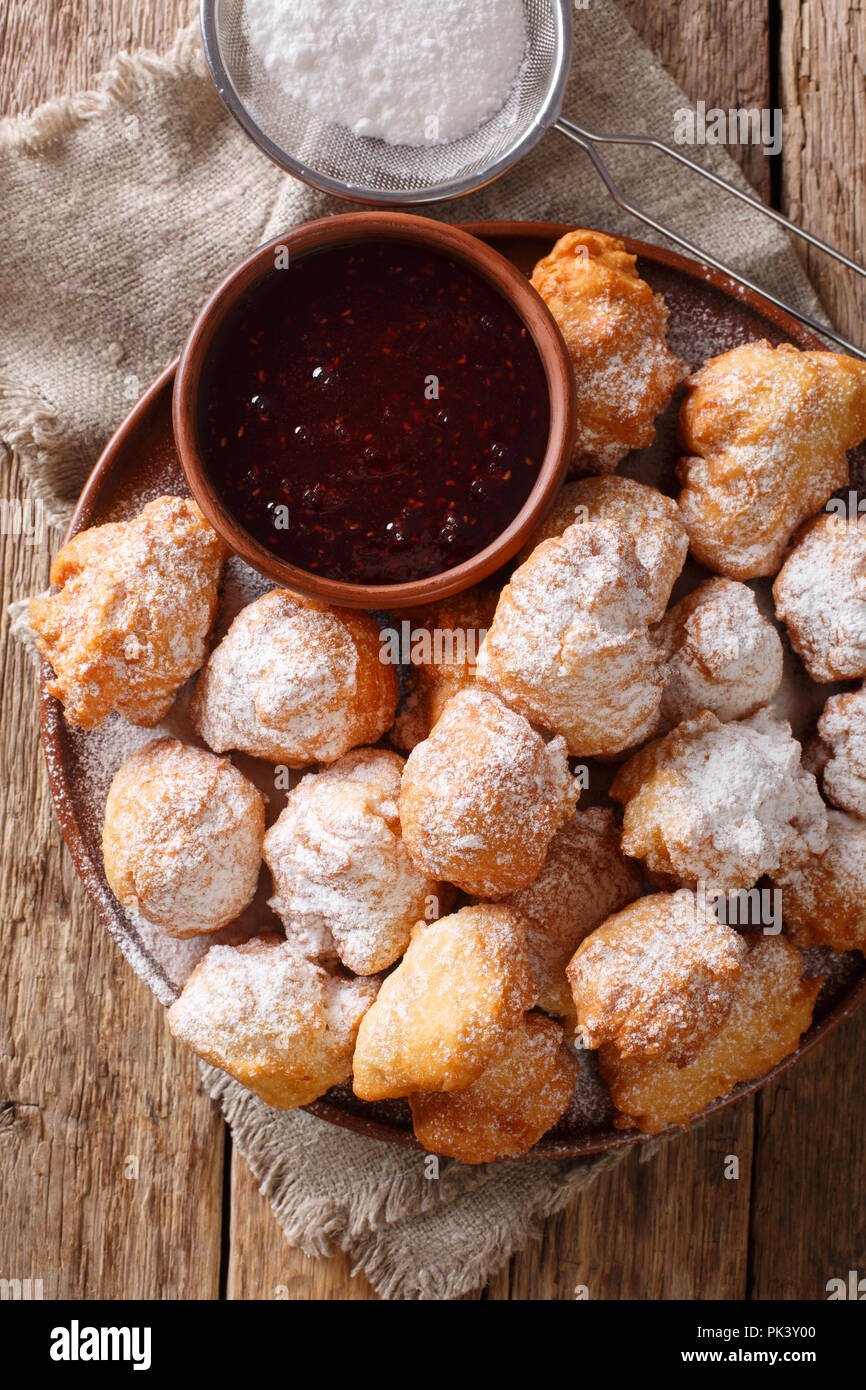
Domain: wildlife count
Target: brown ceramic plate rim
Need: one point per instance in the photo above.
(91, 873)
(442, 238)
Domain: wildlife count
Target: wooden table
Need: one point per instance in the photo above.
(117, 1173)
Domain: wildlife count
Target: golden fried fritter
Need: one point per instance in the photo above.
(344, 883)
(271, 1018)
(130, 621)
(656, 979)
(820, 594)
(569, 646)
(823, 901)
(615, 329)
(295, 682)
(772, 1007)
(182, 840)
(483, 796)
(765, 431)
(447, 1011)
(510, 1106)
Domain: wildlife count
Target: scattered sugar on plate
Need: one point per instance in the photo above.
(412, 73)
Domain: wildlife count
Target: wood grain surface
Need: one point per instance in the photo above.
(116, 1176)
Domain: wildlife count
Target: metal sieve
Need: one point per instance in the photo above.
(333, 159)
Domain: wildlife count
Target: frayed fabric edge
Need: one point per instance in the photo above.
(131, 74)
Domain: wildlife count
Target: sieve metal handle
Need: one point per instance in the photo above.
(587, 141)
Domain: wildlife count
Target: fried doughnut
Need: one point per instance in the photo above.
(771, 1008)
(720, 654)
(765, 430)
(820, 595)
(182, 840)
(720, 803)
(510, 1106)
(822, 895)
(615, 329)
(295, 682)
(271, 1018)
(656, 979)
(483, 796)
(443, 661)
(842, 750)
(130, 621)
(569, 646)
(446, 1012)
(585, 878)
(651, 519)
(344, 883)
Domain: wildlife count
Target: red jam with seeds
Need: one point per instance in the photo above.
(375, 413)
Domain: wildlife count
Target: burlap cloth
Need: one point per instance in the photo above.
(121, 208)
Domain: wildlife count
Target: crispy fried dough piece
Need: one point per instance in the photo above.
(271, 1018)
(615, 329)
(720, 654)
(823, 900)
(483, 796)
(584, 879)
(570, 647)
(772, 1007)
(820, 594)
(511, 1104)
(656, 979)
(446, 1012)
(134, 607)
(344, 883)
(651, 519)
(841, 750)
(448, 637)
(295, 682)
(182, 840)
(719, 803)
(765, 432)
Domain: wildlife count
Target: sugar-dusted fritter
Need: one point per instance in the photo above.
(295, 682)
(483, 796)
(824, 895)
(182, 840)
(765, 430)
(446, 640)
(585, 878)
(771, 1009)
(820, 594)
(651, 519)
(720, 803)
(344, 883)
(720, 654)
(656, 979)
(446, 1012)
(131, 616)
(277, 1022)
(569, 646)
(615, 329)
(511, 1104)
(841, 750)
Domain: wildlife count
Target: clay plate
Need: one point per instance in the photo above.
(709, 314)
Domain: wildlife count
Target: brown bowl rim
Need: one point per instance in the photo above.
(51, 716)
(347, 229)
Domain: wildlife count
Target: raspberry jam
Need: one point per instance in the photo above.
(374, 413)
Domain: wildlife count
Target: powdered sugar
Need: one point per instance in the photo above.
(345, 885)
(720, 654)
(842, 730)
(720, 803)
(410, 74)
(820, 594)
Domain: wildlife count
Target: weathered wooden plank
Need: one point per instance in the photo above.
(823, 85)
(110, 1154)
(719, 53)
